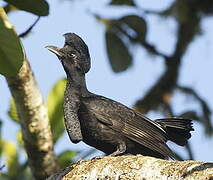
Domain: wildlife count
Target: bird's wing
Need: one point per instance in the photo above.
(131, 124)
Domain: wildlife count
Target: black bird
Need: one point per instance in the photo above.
(106, 124)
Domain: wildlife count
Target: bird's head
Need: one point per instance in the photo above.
(74, 55)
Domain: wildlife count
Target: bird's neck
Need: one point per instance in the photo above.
(76, 83)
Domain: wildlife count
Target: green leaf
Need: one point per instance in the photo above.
(37, 7)
(1, 146)
(65, 158)
(9, 151)
(19, 138)
(122, 2)
(137, 24)
(11, 51)
(12, 113)
(55, 109)
(118, 54)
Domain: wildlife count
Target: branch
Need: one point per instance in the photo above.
(136, 167)
(34, 122)
(161, 92)
(2, 167)
(148, 46)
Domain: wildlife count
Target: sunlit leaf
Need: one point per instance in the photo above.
(65, 158)
(55, 109)
(38, 7)
(12, 111)
(137, 24)
(1, 146)
(118, 54)
(122, 2)
(11, 52)
(19, 138)
(10, 153)
(15, 170)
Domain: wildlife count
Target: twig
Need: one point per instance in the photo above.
(2, 167)
(25, 33)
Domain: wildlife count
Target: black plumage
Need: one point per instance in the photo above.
(106, 124)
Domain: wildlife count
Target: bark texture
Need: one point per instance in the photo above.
(34, 122)
(136, 168)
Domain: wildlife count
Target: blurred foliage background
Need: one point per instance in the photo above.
(121, 33)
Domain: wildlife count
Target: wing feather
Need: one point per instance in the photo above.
(131, 124)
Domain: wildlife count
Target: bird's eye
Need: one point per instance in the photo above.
(72, 55)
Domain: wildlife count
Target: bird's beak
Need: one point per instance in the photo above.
(55, 50)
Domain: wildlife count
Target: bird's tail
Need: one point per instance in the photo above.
(178, 130)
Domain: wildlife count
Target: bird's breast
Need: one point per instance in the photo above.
(95, 133)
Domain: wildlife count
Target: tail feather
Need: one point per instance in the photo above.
(178, 130)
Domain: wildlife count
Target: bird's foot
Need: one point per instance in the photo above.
(116, 153)
(121, 149)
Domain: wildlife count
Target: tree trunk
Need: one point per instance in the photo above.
(34, 122)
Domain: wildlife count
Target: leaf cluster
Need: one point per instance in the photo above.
(124, 32)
